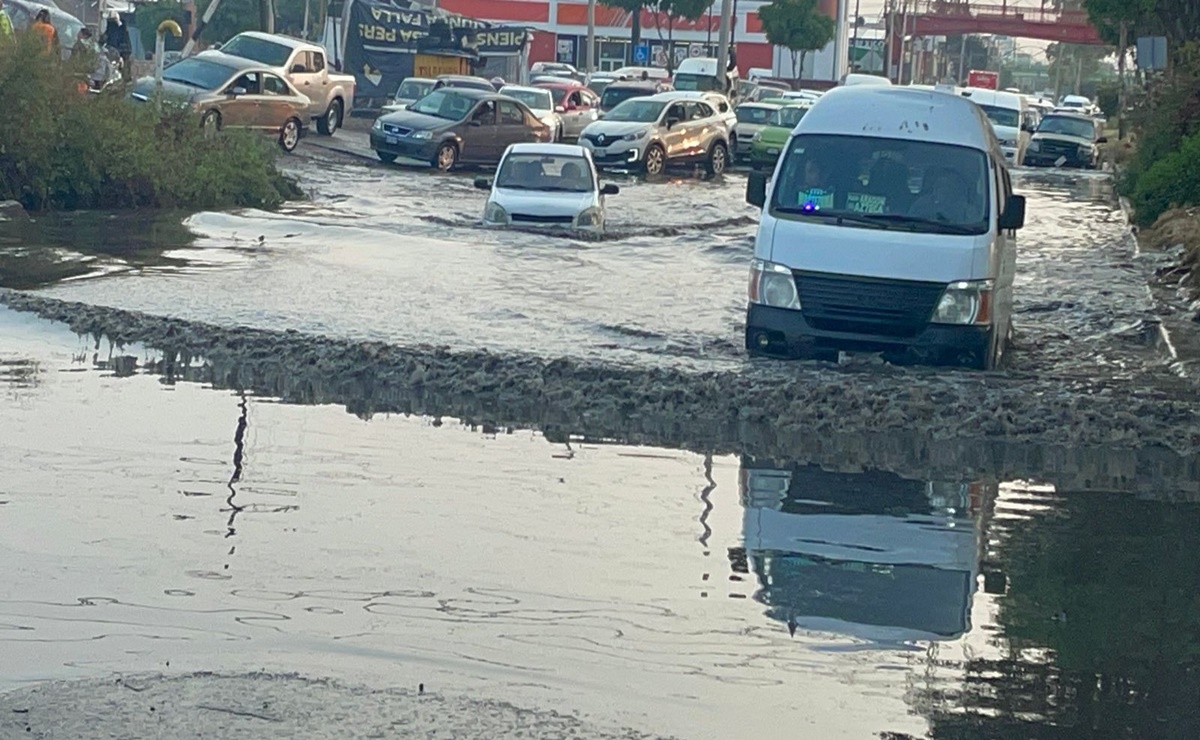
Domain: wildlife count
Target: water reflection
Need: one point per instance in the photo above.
(866, 554)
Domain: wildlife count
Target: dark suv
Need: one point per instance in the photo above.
(619, 92)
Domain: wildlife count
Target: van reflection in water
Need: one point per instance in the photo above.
(869, 555)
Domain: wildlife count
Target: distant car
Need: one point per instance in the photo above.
(546, 185)
(657, 74)
(1065, 140)
(228, 92)
(752, 118)
(452, 126)
(597, 82)
(411, 90)
(618, 92)
(464, 82)
(541, 102)
(772, 138)
(1077, 104)
(651, 133)
(556, 69)
(576, 105)
(22, 13)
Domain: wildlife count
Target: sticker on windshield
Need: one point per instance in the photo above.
(864, 203)
(816, 198)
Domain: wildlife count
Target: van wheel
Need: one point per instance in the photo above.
(718, 159)
(446, 157)
(655, 160)
(328, 124)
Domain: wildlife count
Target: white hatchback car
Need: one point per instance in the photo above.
(554, 185)
(541, 102)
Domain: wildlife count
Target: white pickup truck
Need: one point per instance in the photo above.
(306, 65)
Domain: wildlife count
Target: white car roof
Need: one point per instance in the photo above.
(1076, 99)
(688, 95)
(998, 98)
(525, 88)
(899, 113)
(769, 106)
(562, 150)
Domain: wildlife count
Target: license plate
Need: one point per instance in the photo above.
(772, 151)
(1060, 161)
(391, 140)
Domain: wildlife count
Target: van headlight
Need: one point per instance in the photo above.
(590, 218)
(1085, 150)
(757, 136)
(772, 284)
(494, 213)
(968, 302)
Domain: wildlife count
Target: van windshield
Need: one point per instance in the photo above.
(694, 83)
(881, 183)
(1001, 116)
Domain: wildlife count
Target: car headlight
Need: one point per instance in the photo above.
(494, 213)
(968, 302)
(422, 134)
(757, 137)
(634, 136)
(1035, 146)
(378, 125)
(772, 284)
(590, 218)
(1008, 142)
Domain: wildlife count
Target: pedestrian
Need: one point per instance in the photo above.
(6, 29)
(116, 35)
(83, 43)
(44, 29)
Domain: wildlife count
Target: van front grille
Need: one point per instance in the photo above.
(893, 308)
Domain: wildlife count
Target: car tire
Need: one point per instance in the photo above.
(289, 135)
(210, 122)
(654, 162)
(446, 157)
(718, 159)
(328, 124)
(559, 135)
(385, 157)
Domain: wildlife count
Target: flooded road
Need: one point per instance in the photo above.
(398, 255)
(156, 526)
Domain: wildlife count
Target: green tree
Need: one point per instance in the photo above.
(797, 25)
(634, 8)
(673, 10)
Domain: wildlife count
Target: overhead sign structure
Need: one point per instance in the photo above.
(1151, 52)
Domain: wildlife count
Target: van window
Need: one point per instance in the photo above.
(1002, 116)
(858, 181)
(697, 83)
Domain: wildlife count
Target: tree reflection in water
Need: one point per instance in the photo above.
(1100, 627)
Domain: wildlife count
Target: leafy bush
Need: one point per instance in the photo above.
(1165, 115)
(1108, 95)
(64, 148)
(1172, 181)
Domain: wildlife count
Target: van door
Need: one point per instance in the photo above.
(1004, 258)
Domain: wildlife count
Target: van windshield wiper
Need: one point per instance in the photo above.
(932, 223)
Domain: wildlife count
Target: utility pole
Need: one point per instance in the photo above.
(889, 39)
(591, 37)
(723, 41)
(854, 44)
(1122, 47)
(962, 61)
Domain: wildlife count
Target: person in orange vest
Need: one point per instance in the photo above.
(42, 27)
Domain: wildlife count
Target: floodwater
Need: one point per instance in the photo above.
(399, 256)
(151, 525)
(731, 570)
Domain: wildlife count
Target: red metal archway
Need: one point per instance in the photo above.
(954, 18)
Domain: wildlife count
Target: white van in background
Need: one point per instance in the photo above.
(888, 226)
(700, 74)
(1010, 117)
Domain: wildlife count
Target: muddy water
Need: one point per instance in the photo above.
(398, 256)
(152, 526)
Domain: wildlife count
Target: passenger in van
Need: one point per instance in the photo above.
(945, 197)
(889, 180)
(817, 192)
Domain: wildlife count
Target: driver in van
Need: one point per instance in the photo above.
(817, 191)
(944, 198)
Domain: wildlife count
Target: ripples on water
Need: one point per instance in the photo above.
(150, 522)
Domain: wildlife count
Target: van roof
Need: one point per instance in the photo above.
(899, 113)
(700, 66)
(998, 98)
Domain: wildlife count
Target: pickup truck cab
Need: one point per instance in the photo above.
(306, 66)
(888, 227)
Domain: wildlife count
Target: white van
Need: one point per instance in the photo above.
(1011, 119)
(700, 74)
(888, 226)
(857, 78)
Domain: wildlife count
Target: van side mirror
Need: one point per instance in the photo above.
(482, 183)
(1013, 216)
(609, 189)
(756, 189)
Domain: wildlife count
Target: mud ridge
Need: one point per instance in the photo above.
(778, 404)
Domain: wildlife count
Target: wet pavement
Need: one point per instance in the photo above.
(155, 527)
(456, 480)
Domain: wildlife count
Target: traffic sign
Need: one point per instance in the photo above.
(641, 54)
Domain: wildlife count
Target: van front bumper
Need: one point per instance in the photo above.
(785, 334)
